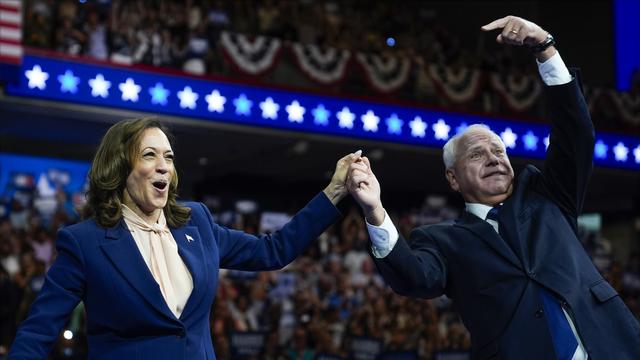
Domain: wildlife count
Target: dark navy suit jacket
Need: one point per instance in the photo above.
(127, 317)
(494, 280)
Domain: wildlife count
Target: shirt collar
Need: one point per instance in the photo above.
(479, 210)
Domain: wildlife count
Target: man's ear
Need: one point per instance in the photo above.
(451, 178)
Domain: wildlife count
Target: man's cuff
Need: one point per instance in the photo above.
(554, 71)
(383, 237)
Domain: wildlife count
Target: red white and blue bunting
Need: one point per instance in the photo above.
(518, 92)
(258, 55)
(457, 85)
(385, 74)
(323, 66)
(253, 57)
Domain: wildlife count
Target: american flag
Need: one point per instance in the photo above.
(10, 31)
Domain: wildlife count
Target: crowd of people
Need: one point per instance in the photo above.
(317, 306)
(166, 32)
(174, 34)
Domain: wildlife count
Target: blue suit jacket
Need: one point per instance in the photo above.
(494, 280)
(127, 317)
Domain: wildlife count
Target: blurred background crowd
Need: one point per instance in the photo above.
(186, 36)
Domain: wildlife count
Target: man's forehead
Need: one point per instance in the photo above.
(479, 137)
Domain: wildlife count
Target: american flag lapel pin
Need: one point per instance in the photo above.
(189, 238)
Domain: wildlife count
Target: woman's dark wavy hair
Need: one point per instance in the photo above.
(111, 167)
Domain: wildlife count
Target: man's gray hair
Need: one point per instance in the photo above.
(450, 149)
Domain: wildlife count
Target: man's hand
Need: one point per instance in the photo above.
(518, 31)
(337, 189)
(365, 189)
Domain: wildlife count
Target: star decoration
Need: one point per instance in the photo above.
(509, 138)
(296, 112)
(418, 127)
(187, 98)
(530, 141)
(441, 130)
(129, 90)
(243, 105)
(620, 152)
(636, 153)
(37, 77)
(99, 86)
(269, 109)
(461, 128)
(68, 82)
(345, 118)
(159, 94)
(215, 101)
(600, 150)
(394, 124)
(321, 115)
(546, 142)
(370, 121)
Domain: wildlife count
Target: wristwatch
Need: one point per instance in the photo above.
(549, 41)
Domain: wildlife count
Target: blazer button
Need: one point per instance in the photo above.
(181, 334)
(539, 313)
(532, 274)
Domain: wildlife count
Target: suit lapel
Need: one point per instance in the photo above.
(485, 231)
(123, 252)
(509, 225)
(191, 251)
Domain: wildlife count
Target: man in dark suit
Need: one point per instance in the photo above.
(522, 282)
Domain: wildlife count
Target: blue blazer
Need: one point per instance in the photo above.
(127, 317)
(494, 280)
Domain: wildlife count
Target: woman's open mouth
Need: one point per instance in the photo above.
(160, 185)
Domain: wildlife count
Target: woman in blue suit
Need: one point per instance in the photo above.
(145, 266)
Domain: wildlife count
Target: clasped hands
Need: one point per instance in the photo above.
(353, 175)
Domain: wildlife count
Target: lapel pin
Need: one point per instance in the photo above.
(189, 238)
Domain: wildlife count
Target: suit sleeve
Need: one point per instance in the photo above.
(62, 290)
(569, 161)
(242, 251)
(416, 270)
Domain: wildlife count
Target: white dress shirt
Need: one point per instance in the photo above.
(384, 237)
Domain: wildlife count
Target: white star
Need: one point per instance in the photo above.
(187, 98)
(620, 151)
(441, 130)
(296, 112)
(546, 142)
(345, 118)
(129, 90)
(37, 77)
(636, 153)
(418, 127)
(215, 101)
(509, 138)
(99, 86)
(269, 109)
(370, 121)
